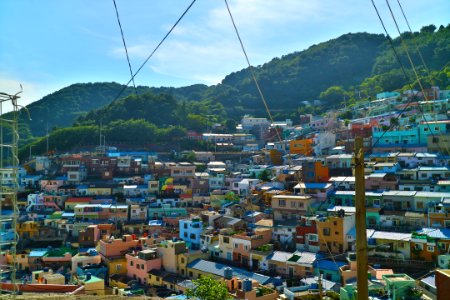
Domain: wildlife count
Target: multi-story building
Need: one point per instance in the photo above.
(190, 231)
(332, 233)
(142, 262)
(290, 207)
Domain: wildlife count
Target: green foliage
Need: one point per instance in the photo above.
(331, 70)
(334, 94)
(264, 176)
(207, 288)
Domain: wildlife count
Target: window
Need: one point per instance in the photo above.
(442, 246)
(182, 260)
(300, 204)
(282, 202)
(131, 263)
(118, 267)
(226, 239)
(293, 204)
(419, 205)
(190, 274)
(430, 248)
(447, 223)
(236, 245)
(401, 245)
(326, 231)
(138, 266)
(313, 237)
(142, 266)
(418, 247)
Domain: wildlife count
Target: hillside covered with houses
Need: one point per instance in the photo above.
(268, 208)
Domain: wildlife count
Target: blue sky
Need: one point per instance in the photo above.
(48, 44)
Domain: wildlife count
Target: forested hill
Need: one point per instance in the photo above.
(63, 107)
(331, 71)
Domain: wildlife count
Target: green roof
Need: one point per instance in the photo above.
(56, 215)
(60, 252)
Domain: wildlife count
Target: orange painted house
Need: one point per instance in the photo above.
(428, 243)
(303, 147)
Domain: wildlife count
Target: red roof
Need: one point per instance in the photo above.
(79, 200)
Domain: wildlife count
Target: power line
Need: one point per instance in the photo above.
(124, 45)
(415, 43)
(404, 73)
(154, 50)
(251, 69)
(405, 47)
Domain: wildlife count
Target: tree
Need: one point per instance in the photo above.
(334, 95)
(207, 288)
(264, 176)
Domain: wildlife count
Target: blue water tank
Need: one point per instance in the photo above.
(246, 285)
(228, 272)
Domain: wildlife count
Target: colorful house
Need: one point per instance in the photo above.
(332, 233)
(429, 243)
(290, 207)
(140, 263)
(190, 231)
(303, 147)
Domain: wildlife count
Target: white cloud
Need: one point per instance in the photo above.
(206, 49)
(31, 91)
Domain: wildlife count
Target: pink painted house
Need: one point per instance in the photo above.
(51, 185)
(381, 181)
(139, 264)
(118, 247)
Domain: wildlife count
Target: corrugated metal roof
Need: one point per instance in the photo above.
(304, 257)
(437, 233)
(219, 270)
(387, 235)
(433, 194)
(280, 256)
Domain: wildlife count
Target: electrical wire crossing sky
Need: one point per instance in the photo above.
(47, 45)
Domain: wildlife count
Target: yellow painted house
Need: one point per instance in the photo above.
(28, 229)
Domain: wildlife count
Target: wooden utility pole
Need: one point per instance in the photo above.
(361, 233)
(320, 286)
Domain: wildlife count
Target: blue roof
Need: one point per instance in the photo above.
(328, 265)
(316, 185)
(37, 253)
(437, 233)
(219, 270)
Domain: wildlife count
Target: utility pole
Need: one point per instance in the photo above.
(319, 281)
(361, 233)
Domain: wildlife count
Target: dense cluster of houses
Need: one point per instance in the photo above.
(277, 221)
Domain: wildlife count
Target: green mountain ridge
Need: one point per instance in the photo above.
(353, 62)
